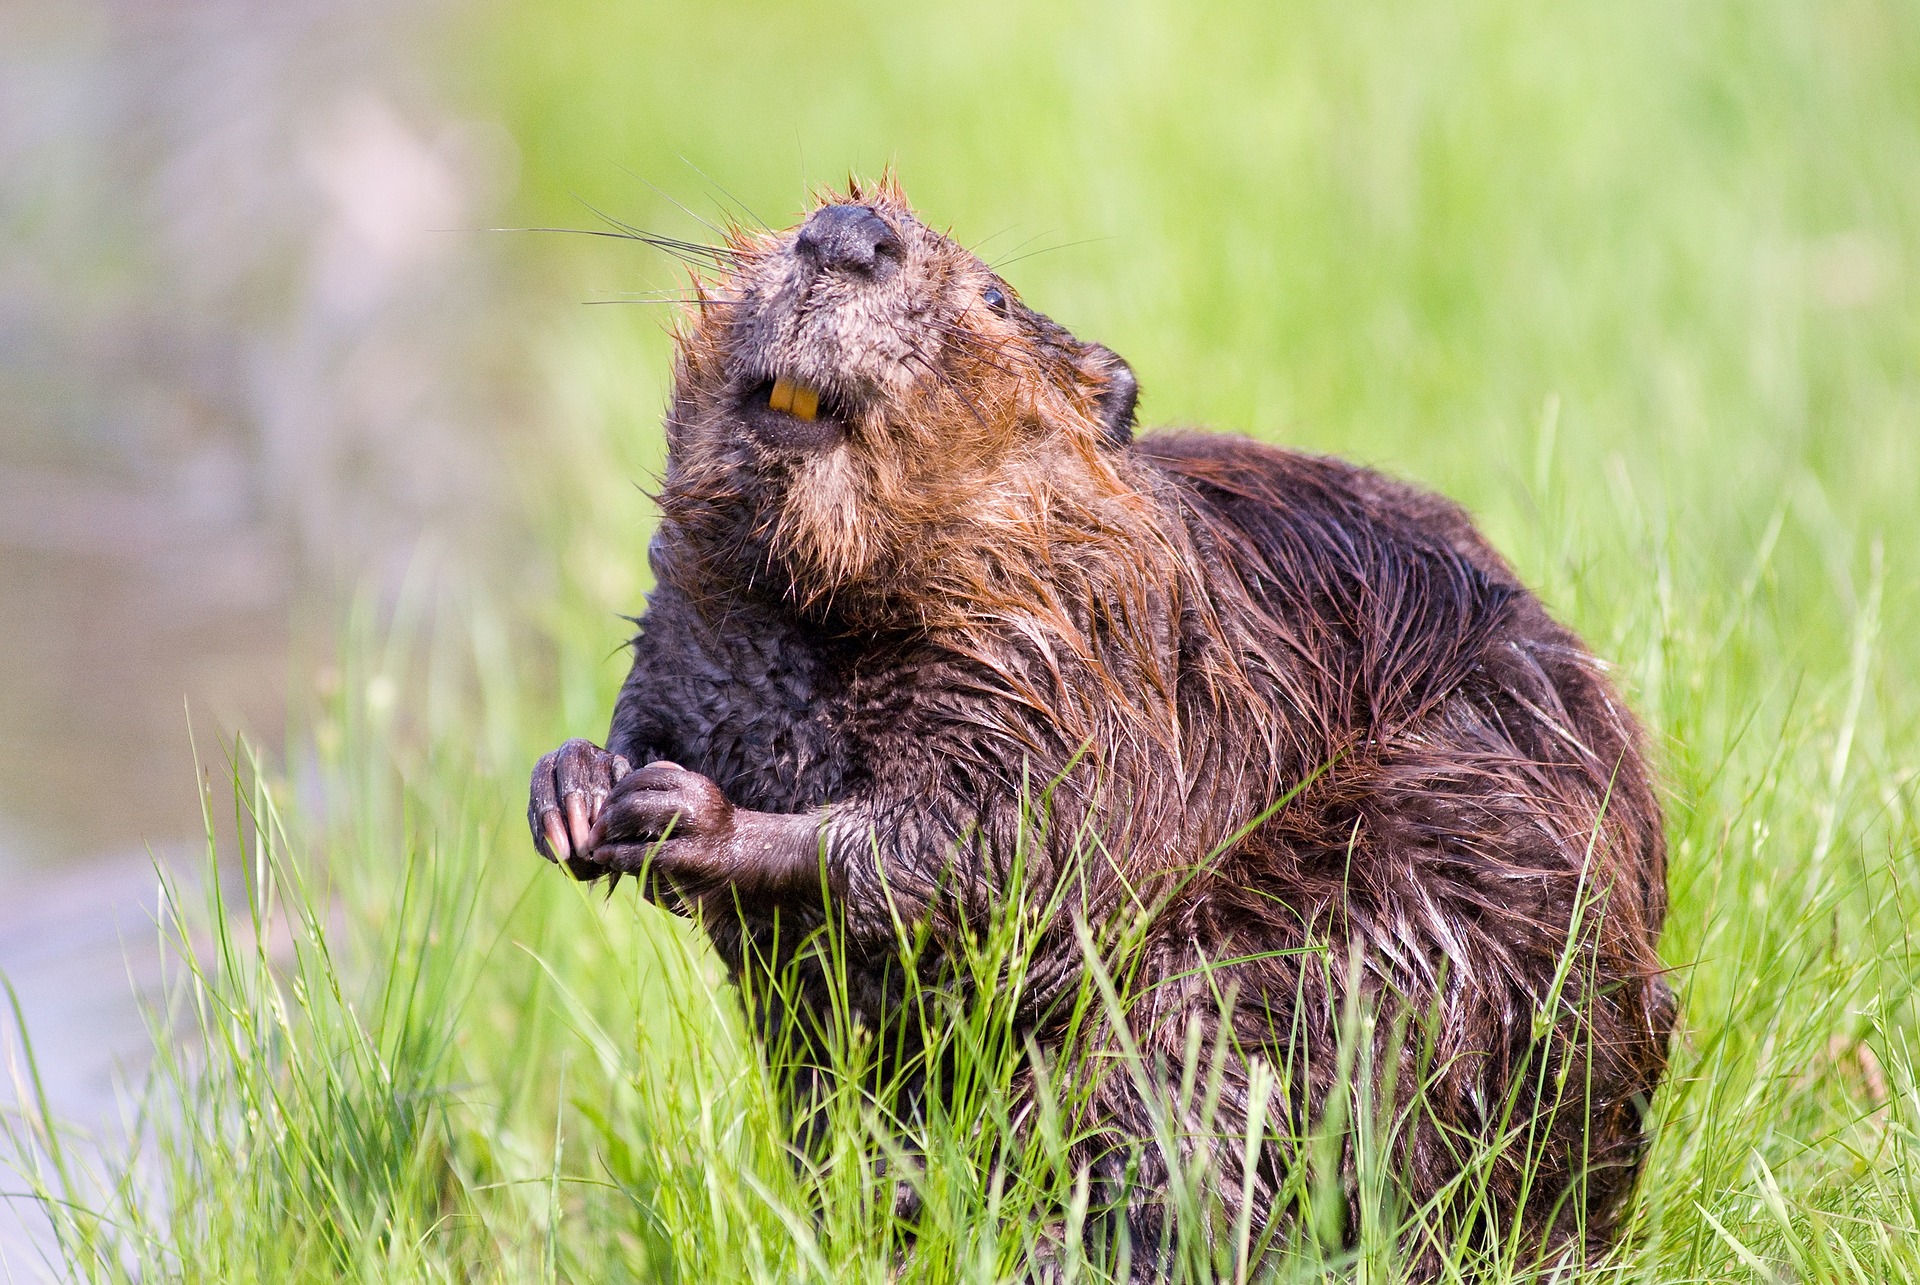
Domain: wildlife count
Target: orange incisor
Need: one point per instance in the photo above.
(797, 400)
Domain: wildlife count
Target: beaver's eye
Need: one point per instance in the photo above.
(995, 299)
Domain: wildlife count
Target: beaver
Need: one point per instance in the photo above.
(1297, 723)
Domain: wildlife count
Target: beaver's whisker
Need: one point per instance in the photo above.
(684, 303)
(947, 380)
(661, 296)
(720, 256)
(967, 341)
(997, 264)
(688, 253)
(743, 206)
(661, 192)
(974, 249)
(973, 337)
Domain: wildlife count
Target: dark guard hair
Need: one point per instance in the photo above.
(913, 564)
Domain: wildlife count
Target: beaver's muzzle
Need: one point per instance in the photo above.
(850, 238)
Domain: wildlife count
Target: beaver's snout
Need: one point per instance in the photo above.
(850, 238)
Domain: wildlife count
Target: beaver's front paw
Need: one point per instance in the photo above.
(673, 822)
(570, 787)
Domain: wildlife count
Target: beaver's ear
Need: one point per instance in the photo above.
(1119, 392)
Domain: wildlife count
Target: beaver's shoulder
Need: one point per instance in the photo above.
(1271, 490)
(1389, 590)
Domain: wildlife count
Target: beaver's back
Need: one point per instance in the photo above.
(1386, 592)
(1471, 795)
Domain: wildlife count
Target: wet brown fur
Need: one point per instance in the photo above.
(984, 585)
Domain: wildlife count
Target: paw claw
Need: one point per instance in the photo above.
(577, 827)
(557, 846)
(568, 790)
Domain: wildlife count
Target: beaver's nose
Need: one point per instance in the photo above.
(851, 237)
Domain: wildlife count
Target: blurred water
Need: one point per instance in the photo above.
(234, 308)
(243, 363)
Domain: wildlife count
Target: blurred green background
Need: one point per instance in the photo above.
(256, 348)
(1552, 262)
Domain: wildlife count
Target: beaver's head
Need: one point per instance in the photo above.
(875, 393)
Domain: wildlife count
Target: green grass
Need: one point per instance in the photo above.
(1635, 282)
